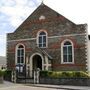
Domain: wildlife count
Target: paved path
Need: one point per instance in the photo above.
(12, 86)
(7, 84)
(64, 87)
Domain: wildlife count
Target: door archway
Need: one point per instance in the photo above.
(37, 62)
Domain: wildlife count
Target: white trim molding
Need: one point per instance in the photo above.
(62, 44)
(31, 62)
(28, 39)
(16, 48)
(38, 34)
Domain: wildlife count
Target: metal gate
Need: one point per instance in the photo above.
(22, 75)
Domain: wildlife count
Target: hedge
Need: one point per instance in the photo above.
(7, 75)
(1, 73)
(64, 74)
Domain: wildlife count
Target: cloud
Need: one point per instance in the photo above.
(17, 10)
(12, 14)
(7, 2)
(2, 45)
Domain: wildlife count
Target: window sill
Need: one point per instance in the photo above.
(67, 63)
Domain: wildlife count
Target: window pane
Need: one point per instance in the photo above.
(18, 59)
(18, 52)
(67, 43)
(64, 58)
(44, 39)
(70, 50)
(22, 52)
(20, 46)
(40, 45)
(69, 58)
(22, 60)
(65, 50)
(42, 33)
(44, 45)
(40, 39)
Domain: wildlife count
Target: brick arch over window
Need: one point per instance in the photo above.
(20, 53)
(42, 41)
(67, 52)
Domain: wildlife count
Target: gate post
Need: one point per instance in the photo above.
(36, 76)
(13, 76)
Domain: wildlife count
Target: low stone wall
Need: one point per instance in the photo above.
(66, 81)
(1, 79)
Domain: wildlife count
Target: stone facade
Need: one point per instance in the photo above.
(66, 81)
(58, 29)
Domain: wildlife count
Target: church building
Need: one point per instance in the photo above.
(48, 41)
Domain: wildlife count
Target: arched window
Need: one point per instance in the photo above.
(67, 52)
(20, 54)
(42, 39)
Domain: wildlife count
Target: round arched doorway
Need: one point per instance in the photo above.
(37, 62)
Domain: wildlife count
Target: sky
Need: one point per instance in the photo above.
(14, 12)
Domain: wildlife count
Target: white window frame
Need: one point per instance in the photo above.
(38, 34)
(16, 53)
(62, 44)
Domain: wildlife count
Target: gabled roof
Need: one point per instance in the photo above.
(45, 53)
(44, 10)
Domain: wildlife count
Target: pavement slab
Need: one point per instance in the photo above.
(12, 86)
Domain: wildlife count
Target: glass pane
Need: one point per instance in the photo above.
(18, 52)
(65, 50)
(42, 33)
(40, 45)
(22, 60)
(18, 59)
(44, 39)
(44, 45)
(67, 43)
(20, 46)
(69, 58)
(70, 50)
(64, 58)
(40, 39)
(22, 52)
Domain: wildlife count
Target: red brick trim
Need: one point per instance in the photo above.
(11, 50)
(22, 42)
(70, 38)
(61, 18)
(11, 65)
(74, 65)
(28, 49)
(42, 30)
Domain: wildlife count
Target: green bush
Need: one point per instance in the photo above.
(1, 73)
(7, 75)
(44, 73)
(63, 74)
